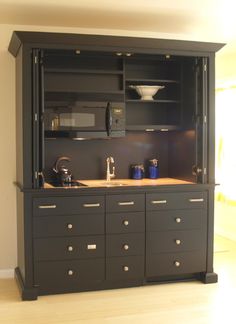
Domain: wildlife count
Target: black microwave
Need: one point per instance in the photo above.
(85, 120)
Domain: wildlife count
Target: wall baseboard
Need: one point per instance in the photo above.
(6, 273)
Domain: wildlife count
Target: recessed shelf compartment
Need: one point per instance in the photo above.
(59, 98)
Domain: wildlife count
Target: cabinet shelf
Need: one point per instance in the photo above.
(119, 92)
(152, 128)
(151, 80)
(153, 101)
(83, 71)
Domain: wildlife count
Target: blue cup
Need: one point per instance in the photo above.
(153, 169)
(137, 171)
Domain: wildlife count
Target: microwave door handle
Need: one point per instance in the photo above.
(108, 118)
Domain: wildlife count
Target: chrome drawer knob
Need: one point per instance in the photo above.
(125, 247)
(126, 268)
(70, 248)
(70, 272)
(69, 226)
(126, 222)
(178, 220)
(178, 242)
(177, 264)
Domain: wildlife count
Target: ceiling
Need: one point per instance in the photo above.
(209, 20)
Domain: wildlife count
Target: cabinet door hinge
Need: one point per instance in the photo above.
(205, 171)
(38, 174)
(35, 117)
(204, 67)
(36, 59)
(205, 119)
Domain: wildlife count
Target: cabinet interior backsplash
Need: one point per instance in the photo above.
(88, 157)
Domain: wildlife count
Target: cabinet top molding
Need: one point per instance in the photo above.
(110, 43)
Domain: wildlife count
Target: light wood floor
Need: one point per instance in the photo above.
(179, 303)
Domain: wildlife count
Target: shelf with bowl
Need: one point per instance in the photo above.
(153, 101)
(145, 91)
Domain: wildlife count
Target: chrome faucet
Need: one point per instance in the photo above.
(109, 174)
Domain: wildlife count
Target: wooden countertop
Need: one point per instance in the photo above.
(128, 182)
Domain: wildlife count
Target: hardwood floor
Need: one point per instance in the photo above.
(181, 303)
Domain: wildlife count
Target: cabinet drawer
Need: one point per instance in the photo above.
(125, 244)
(68, 205)
(166, 264)
(69, 248)
(125, 222)
(66, 275)
(125, 268)
(123, 203)
(175, 241)
(70, 225)
(178, 200)
(179, 219)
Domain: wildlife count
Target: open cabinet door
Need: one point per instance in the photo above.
(38, 123)
(201, 108)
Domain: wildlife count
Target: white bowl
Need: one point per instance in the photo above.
(146, 91)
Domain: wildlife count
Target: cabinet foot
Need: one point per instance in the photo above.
(209, 277)
(26, 293)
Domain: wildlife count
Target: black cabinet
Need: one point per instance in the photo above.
(96, 238)
(125, 238)
(176, 241)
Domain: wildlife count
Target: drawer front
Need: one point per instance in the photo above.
(124, 203)
(71, 225)
(167, 264)
(125, 244)
(65, 275)
(125, 268)
(182, 200)
(69, 248)
(68, 205)
(125, 222)
(175, 241)
(179, 219)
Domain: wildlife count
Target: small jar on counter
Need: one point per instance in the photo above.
(137, 171)
(153, 169)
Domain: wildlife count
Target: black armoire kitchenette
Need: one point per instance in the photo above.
(79, 103)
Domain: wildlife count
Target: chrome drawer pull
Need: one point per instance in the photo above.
(159, 202)
(47, 206)
(196, 200)
(125, 247)
(91, 205)
(177, 264)
(125, 203)
(91, 247)
(178, 242)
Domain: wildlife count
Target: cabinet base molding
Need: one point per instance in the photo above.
(26, 293)
(209, 277)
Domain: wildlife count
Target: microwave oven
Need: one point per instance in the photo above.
(85, 120)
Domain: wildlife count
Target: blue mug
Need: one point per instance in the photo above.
(153, 169)
(137, 171)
